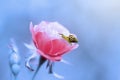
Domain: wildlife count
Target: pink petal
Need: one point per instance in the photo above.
(47, 47)
(43, 42)
(67, 49)
(37, 37)
(57, 46)
(58, 58)
(40, 40)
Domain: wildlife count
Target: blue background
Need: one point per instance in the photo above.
(95, 22)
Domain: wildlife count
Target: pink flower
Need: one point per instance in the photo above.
(49, 42)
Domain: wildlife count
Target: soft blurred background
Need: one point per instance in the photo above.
(95, 22)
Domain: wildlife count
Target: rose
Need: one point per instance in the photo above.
(49, 42)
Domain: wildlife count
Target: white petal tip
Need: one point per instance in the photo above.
(28, 66)
(58, 76)
(66, 62)
(28, 46)
(31, 27)
(31, 24)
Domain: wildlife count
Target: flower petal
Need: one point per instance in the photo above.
(56, 46)
(32, 30)
(66, 62)
(51, 58)
(41, 40)
(27, 62)
(59, 28)
(58, 76)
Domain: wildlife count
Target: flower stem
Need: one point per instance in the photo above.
(15, 78)
(41, 61)
(51, 68)
(11, 76)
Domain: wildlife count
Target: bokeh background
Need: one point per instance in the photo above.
(95, 22)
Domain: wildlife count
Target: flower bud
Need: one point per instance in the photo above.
(15, 69)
